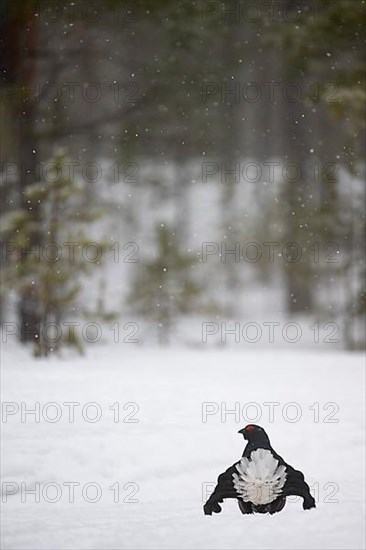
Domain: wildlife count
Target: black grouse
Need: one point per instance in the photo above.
(260, 481)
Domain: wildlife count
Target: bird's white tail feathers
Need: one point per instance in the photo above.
(260, 479)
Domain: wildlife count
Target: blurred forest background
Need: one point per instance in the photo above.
(144, 130)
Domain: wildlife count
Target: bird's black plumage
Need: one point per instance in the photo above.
(260, 481)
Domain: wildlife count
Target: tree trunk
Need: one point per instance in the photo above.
(23, 76)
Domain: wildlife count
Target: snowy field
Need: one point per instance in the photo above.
(160, 454)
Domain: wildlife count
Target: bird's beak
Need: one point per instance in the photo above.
(241, 431)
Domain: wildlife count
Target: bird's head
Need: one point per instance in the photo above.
(252, 432)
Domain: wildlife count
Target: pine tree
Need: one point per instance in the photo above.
(165, 288)
(333, 58)
(49, 273)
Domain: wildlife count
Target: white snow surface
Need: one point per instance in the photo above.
(170, 459)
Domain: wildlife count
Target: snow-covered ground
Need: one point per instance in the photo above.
(163, 452)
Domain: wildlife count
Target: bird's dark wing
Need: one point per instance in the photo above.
(224, 489)
(297, 486)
